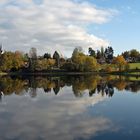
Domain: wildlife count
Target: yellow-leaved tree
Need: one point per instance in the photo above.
(120, 62)
(10, 60)
(83, 62)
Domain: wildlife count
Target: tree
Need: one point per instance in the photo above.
(18, 60)
(10, 60)
(90, 64)
(0, 54)
(32, 59)
(126, 54)
(83, 62)
(47, 56)
(91, 52)
(109, 54)
(76, 52)
(33, 53)
(78, 58)
(26, 57)
(56, 56)
(120, 62)
(45, 64)
(0, 50)
(134, 54)
(102, 51)
(98, 54)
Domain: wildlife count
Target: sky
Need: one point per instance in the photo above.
(62, 25)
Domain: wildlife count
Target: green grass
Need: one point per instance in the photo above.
(134, 65)
(131, 66)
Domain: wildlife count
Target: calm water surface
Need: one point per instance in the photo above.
(69, 108)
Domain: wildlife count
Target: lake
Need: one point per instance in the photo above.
(69, 108)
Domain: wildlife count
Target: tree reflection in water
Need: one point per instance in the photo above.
(94, 85)
(58, 115)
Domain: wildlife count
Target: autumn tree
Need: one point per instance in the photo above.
(90, 64)
(120, 62)
(83, 62)
(78, 59)
(45, 64)
(18, 60)
(10, 60)
(76, 52)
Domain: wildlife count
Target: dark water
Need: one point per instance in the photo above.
(69, 108)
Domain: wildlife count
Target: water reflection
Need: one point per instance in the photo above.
(79, 84)
(61, 118)
(69, 108)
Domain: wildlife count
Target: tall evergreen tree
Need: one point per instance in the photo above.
(56, 56)
(109, 52)
(91, 52)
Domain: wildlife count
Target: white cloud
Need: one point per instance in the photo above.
(51, 117)
(50, 25)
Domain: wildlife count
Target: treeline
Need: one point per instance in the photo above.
(79, 62)
(132, 55)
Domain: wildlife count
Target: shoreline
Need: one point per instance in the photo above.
(61, 73)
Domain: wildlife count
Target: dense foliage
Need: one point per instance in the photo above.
(10, 60)
(94, 61)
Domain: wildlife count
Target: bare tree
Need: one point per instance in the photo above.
(33, 53)
(32, 59)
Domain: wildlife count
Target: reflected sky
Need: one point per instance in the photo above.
(66, 116)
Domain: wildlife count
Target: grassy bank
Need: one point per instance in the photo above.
(134, 65)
